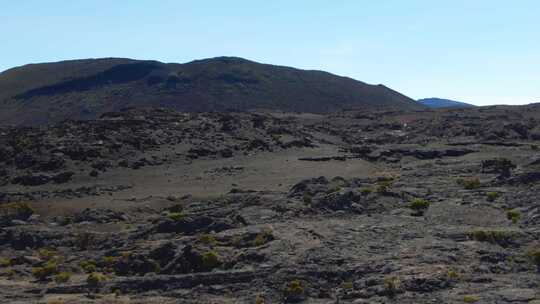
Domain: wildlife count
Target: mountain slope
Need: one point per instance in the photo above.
(437, 103)
(84, 89)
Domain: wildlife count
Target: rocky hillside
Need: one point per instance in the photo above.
(84, 89)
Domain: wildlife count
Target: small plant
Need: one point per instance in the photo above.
(16, 211)
(348, 285)
(47, 254)
(95, 278)
(384, 185)
(88, 266)
(210, 260)
(499, 237)
(5, 262)
(391, 286)
(513, 215)
(333, 190)
(62, 277)
(470, 299)
(294, 290)
(419, 205)
(263, 237)
(43, 272)
(259, 299)
(492, 196)
(534, 147)
(469, 183)
(176, 216)
(452, 274)
(366, 191)
(208, 239)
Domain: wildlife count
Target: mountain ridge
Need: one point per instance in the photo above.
(86, 88)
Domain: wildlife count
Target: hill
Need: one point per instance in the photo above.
(84, 89)
(437, 103)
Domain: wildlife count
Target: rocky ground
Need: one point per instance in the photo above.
(155, 206)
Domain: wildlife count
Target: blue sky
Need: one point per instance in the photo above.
(484, 52)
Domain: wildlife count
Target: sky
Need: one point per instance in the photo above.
(478, 51)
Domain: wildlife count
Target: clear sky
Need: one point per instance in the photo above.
(478, 51)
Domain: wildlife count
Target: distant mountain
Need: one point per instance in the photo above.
(84, 89)
(436, 103)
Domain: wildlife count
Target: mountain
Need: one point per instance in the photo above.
(437, 103)
(84, 89)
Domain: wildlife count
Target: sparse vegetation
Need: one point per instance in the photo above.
(391, 286)
(208, 239)
(48, 269)
(88, 266)
(469, 183)
(62, 277)
(500, 237)
(210, 260)
(366, 190)
(492, 196)
(15, 211)
(294, 290)
(95, 278)
(419, 206)
(5, 262)
(470, 299)
(513, 215)
(384, 186)
(176, 216)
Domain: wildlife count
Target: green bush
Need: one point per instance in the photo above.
(5, 262)
(62, 277)
(470, 299)
(419, 205)
(383, 186)
(366, 191)
(95, 278)
(492, 196)
(294, 289)
(208, 239)
(48, 269)
(210, 260)
(513, 215)
(534, 255)
(391, 286)
(176, 216)
(88, 266)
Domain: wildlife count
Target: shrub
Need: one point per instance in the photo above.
(207, 238)
(347, 285)
(419, 205)
(47, 254)
(263, 237)
(176, 216)
(513, 215)
(48, 269)
(5, 262)
(492, 196)
(259, 299)
(470, 299)
(333, 189)
(16, 211)
(88, 266)
(469, 183)
(62, 277)
(499, 237)
(294, 290)
(210, 260)
(95, 278)
(391, 286)
(366, 191)
(452, 274)
(383, 186)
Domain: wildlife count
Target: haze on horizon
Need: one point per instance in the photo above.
(481, 52)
